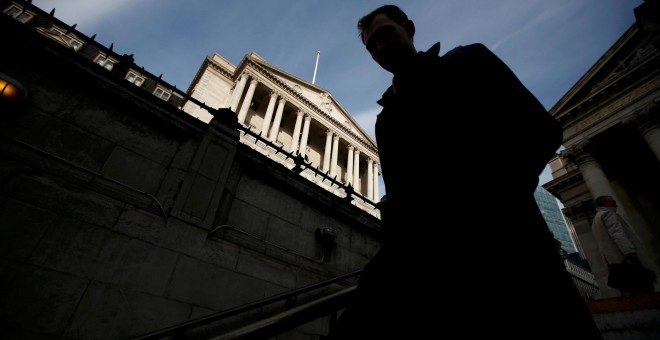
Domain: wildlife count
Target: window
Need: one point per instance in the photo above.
(108, 63)
(75, 44)
(68, 39)
(162, 93)
(18, 14)
(135, 78)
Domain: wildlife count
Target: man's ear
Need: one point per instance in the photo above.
(410, 28)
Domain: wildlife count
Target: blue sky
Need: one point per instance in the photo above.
(549, 44)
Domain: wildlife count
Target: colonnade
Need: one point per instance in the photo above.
(300, 136)
(647, 124)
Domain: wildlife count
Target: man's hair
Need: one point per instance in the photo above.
(600, 200)
(393, 12)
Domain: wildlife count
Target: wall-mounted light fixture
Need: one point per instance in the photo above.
(11, 90)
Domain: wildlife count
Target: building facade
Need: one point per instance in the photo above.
(554, 218)
(611, 121)
(286, 114)
(123, 215)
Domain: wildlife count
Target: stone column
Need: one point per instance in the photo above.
(356, 171)
(370, 179)
(598, 185)
(305, 135)
(594, 176)
(376, 194)
(328, 150)
(276, 123)
(296, 132)
(349, 167)
(269, 115)
(238, 91)
(335, 151)
(647, 122)
(247, 101)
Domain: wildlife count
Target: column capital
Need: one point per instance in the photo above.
(579, 210)
(301, 112)
(335, 137)
(645, 119)
(579, 153)
(351, 147)
(308, 117)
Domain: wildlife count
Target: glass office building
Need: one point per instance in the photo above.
(554, 218)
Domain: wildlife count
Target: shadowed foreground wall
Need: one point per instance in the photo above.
(108, 195)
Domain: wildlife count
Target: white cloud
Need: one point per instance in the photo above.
(367, 120)
(85, 13)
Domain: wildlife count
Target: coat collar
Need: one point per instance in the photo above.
(389, 93)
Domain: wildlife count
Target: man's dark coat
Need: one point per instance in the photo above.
(466, 249)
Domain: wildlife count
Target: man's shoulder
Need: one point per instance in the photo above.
(471, 49)
(602, 212)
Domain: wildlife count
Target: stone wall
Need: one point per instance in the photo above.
(121, 214)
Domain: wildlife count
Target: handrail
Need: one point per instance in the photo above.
(95, 173)
(185, 326)
(226, 226)
(289, 319)
(301, 164)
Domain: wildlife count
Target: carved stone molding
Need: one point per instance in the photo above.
(579, 153)
(214, 65)
(579, 211)
(645, 119)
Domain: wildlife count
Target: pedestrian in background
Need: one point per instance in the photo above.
(615, 242)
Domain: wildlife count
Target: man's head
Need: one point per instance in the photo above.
(387, 33)
(605, 201)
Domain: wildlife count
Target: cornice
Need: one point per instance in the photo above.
(566, 181)
(210, 62)
(632, 59)
(645, 119)
(597, 66)
(618, 90)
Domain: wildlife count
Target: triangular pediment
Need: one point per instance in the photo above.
(317, 96)
(634, 49)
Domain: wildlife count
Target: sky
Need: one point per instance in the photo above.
(549, 44)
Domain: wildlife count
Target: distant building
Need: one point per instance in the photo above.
(286, 117)
(611, 123)
(296, 123)
(123, 215)
(554, 218)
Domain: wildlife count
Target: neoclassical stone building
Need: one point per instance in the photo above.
(611, 121)
(286, 114)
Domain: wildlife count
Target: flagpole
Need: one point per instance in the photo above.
(318, 53)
